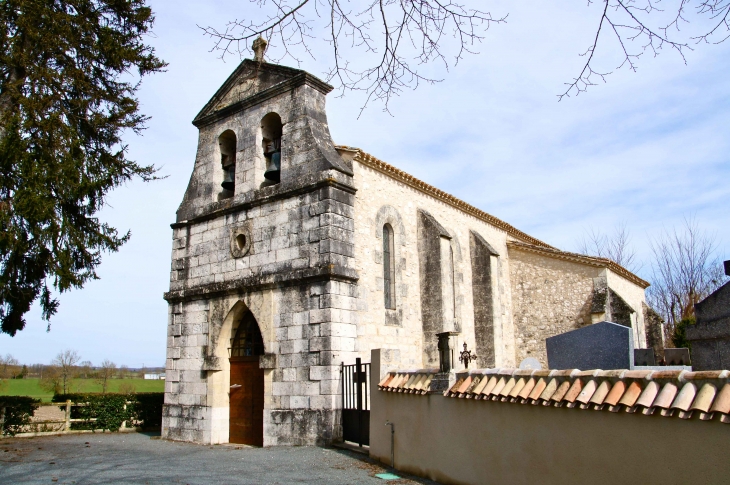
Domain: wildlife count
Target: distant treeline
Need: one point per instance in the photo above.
(66, 366)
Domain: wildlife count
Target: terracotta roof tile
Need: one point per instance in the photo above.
(504, 392)
(573, 393)
(648, 395)
(631, 395)
(498, 388)
(550, 389)
(615, 394)
(722, 401)
(527, 388)
(684, 399)
(517, 387)
(488, 388)
(703, 401)
(479, 387)
(561, 391)
(464, 385)
(587, 392)
(600, 395)
(538, 390)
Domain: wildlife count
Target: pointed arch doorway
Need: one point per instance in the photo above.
(246, 416)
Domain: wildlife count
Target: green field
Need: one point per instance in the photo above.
(30, 387)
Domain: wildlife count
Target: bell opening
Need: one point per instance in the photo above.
(227, 144)
(271, 131)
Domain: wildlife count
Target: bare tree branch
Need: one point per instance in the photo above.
(685, 271)
(382, 47)
(628, 22)
(616, 247)
(394, 40)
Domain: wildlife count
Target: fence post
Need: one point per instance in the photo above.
(68, 416)
(124, 423)
(2, 420)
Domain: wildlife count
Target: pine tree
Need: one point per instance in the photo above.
(69, 73)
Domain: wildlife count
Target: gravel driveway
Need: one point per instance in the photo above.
(135, 458)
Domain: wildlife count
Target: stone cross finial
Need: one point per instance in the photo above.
(259, 47)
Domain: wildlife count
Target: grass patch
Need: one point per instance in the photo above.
(30, 387)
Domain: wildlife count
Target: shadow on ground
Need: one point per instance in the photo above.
(120, 458)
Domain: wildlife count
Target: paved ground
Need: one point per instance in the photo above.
(135, 458)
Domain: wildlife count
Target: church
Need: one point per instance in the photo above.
(292, 255)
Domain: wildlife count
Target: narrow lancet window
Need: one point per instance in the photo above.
(388, 267)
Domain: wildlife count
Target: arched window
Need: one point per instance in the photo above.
(248, 341)
(271, 130)
(227, 144)
(388, 267)
(453, 281)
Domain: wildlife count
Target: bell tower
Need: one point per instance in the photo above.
(266, 225)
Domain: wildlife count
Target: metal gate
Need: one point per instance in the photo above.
(356, 402)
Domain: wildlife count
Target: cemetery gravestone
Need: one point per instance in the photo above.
(678, 356)
(604, 345)
(644, 357)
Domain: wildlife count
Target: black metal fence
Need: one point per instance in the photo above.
(356, 402)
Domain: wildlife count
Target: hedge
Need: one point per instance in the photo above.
(18, 411)
(108, 410)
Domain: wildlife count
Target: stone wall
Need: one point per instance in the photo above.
(381, 199)
(634, 296)
(550, 296)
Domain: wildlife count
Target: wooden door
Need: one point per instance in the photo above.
(246, 421)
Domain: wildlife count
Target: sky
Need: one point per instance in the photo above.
(646, 149)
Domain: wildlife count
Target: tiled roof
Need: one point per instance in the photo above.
(667, 393)
(410, 382)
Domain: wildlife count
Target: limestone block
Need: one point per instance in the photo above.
(282, 333)
(173, 352)
(335, 329)
(294, 346)
(324, 402)
(171, 387)
(330, 386)
(282, 388)
(318, 373)
(299, 402)
(172, 376)
(289, 374)
(295, 332)
(337, 220)
(320, 315)
(300, 318)
(338, 301)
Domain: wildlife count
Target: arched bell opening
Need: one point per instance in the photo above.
(246, 395)
(227, 145)
(271, 131)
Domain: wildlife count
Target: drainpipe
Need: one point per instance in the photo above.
(392, 440)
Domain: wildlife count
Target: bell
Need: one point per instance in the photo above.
(228, 182)
(273, 171)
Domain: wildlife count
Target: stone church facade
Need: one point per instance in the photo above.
(292, 255)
